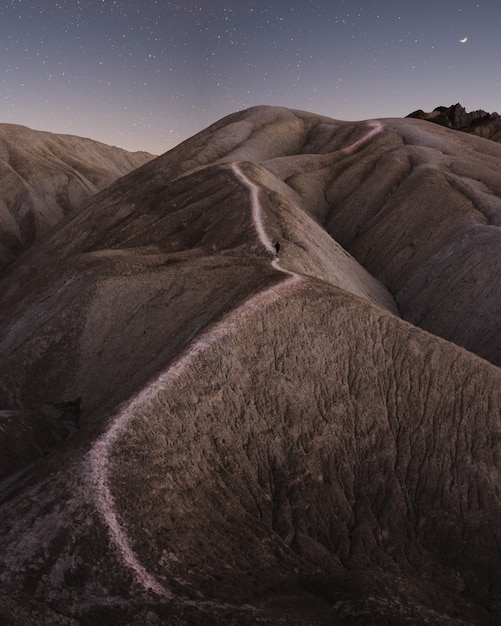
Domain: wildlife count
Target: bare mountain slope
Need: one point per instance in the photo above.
(43, 176)
(212, 413)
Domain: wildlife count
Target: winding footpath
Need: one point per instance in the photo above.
(101, 452)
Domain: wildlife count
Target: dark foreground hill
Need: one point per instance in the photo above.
(44, 176)
(255, 381)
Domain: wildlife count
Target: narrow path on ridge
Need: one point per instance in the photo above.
(374, 128)
(99, 455)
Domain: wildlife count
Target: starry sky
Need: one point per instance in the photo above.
(147, 74)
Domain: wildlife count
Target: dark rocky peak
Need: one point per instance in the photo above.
(477, 122)
(459, 118)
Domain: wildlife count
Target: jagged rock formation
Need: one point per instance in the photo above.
(225, 418)
(44, 176)
(479, 122)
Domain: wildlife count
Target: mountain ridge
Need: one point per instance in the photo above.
(253, 432)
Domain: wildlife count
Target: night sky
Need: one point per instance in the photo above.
(148, 74)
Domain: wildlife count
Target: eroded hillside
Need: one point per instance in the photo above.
(44, 176)
(212, 409)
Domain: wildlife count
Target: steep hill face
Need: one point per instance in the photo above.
(212, 410)
(44, 176)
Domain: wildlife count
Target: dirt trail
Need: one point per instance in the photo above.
(100, 454)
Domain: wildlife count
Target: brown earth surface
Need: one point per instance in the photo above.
(255, 381)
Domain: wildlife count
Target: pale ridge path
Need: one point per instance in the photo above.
(99, 455)
(374, 129)
(256, 207)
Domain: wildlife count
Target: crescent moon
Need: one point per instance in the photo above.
(464, 40)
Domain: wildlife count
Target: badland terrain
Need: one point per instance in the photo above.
(254, 380)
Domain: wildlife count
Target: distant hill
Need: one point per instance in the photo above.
(480, 123)
(256, 381)
(44, 176)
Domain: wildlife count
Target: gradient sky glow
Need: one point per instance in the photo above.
(148, 74)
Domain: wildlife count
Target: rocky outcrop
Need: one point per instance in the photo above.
(234, 423)
(44, 176)
(479, 122)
